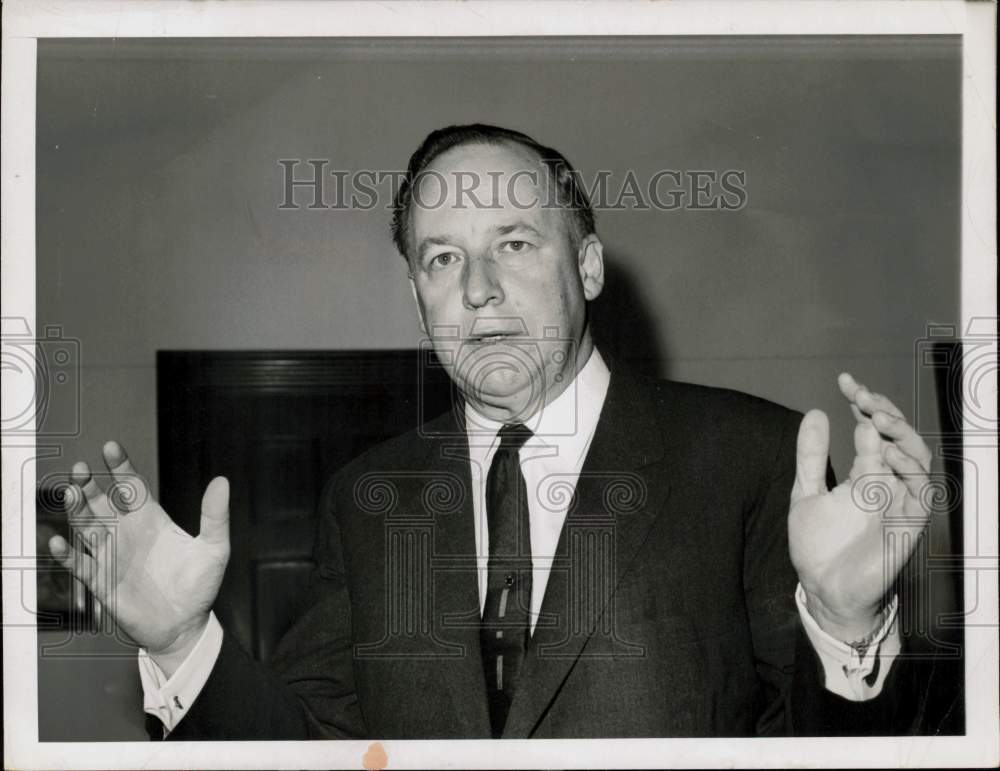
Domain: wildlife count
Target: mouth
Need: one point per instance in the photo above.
(492, 337)
(491, 331)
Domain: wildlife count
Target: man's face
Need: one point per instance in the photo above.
(499, 286)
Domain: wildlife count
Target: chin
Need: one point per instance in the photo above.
(507, 389)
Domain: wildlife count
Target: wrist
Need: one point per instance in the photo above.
(857, 628)
(170, 658)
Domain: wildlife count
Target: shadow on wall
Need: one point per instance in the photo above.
(624, 327)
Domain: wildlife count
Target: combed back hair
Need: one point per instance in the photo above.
(569, 193)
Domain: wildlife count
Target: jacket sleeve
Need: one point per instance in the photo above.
(308, 689)
(769, 582)
(922, 692)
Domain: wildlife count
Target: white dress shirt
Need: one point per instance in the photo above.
(551, 462)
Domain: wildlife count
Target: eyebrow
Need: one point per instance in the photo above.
(434, 241)
(502, 230)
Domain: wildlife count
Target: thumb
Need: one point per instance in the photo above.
(215, 512)
(811, 455)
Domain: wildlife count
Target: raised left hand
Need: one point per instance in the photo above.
(849, 543)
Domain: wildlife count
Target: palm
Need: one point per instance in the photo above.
(849, 543)
(839, 548)
(160, 578)
(157, 581)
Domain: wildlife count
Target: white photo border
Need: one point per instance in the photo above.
(24, 22)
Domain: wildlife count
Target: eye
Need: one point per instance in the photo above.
(443, 260)
(514, 246)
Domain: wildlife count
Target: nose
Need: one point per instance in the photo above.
(480, 284)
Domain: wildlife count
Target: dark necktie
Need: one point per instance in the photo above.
(505, 624)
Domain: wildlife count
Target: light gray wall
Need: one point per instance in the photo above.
(158, 188)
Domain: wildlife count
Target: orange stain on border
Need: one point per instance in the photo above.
(375, 757)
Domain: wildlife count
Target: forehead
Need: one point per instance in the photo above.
(478, 187)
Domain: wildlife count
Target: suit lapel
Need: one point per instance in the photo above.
(456, 599)
(614, 505)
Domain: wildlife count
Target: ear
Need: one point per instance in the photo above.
(416, 301)
(590, 258)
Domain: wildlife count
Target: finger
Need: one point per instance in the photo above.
(87, 554)
(215, 512)
(849, 388)
(904, 437)
(131, 490)
(861, 396)
(867, 451)
(811, 455)
(909, 470)
(62, 553)
(78, 514)
(848, 385)
(76, 561)
(869, 402)
(79, 595)
(98, 510)
(867, 441)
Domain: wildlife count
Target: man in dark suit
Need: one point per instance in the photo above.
(572, 551)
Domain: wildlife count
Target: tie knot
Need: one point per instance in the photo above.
(513, 436)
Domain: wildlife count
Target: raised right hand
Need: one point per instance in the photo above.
(157, 581)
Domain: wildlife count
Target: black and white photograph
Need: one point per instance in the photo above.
(532, 375)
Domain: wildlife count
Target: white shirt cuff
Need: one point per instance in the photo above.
(170, 699)
(854, 677)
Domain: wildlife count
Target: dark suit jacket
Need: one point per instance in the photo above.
(669, 611)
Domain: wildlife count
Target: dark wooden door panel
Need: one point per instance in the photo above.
(277, 424)
(277, 586)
